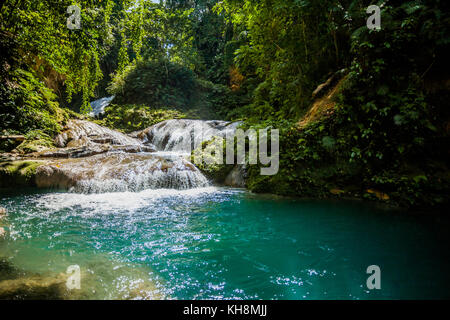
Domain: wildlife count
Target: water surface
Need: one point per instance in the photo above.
(227, 244)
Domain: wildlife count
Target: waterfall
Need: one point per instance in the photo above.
(98, 106)
(120, 172)
(125, 168)
(183, 136)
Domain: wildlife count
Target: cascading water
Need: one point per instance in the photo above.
(98, 106)
(183, 136)
(119, 172)
(124, 166)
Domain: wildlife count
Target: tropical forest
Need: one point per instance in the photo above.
(169, 149)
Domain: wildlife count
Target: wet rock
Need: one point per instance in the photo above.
(81, 133)
(92, 150)
(91, 158)
(118, 172)
(19, 173)
(236, 178)
(85, 139)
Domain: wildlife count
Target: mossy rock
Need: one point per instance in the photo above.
(208, 166)
(130, 118)
(18, 173)
(36, 141)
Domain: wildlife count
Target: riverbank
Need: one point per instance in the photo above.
(67, 166)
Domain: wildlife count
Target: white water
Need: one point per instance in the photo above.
(113, 202)
(184, 136)
(98, 106)
(168, 168)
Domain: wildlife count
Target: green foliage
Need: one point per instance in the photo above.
(30, 105)
(162, 84)
(41, 35)
(35, 141)
(389, 131)
(206, 152)
(129, 118)
(288, 46)
(158, 84)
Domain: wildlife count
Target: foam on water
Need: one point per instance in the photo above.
(114, 202)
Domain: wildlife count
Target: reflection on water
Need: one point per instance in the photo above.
(221, 243)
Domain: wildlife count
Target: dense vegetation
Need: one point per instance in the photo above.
(380, 130)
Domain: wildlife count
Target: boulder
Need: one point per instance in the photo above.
(84, 139)
(237, 177)
(92, 150)
(81, 133)
(20, 173)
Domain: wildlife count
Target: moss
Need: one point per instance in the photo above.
(215, 172)
(35, 141)
(30, 146)
(18, 173)
(129, 118)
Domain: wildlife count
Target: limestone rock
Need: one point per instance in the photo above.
(118, 172)
(81, 133)
(236, 178)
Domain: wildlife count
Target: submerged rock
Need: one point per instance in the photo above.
(34, 288)
(2, 232)
(144, 290)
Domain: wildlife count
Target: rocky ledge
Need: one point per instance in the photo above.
(90, 158)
